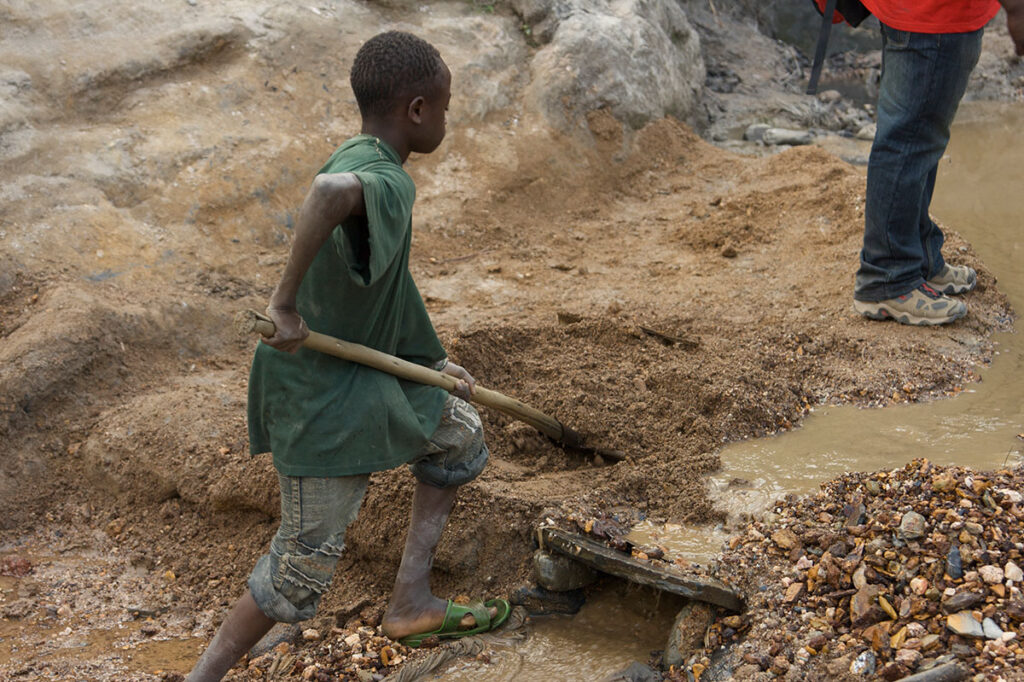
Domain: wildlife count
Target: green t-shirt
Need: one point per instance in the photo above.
(323, 416)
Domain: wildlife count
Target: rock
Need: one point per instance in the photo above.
(829, 96)
(540, 602)
(912, 526)
(785, 538)
(864, 664)
(954, 565)
(991, 629)
(687, 633)
(311, 635)
(908, 657)
(558, 573)
(780, 665)
(793, 593)
(963, 623)
(863, 608)
(991, 574)
(281, 632)
(1013, 572)
(867, 132)
(755, 132)
(635, 672)
(1010, 495)
(919, 585)
(777, 136)
(893, 671)
(962, 601)
(640, 59)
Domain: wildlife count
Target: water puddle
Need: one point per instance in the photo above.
(618, 624)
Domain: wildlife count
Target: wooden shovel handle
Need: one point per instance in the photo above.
(248, 321)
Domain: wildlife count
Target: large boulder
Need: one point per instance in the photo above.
(640, 59)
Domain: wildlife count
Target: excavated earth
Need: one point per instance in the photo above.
(661, 294)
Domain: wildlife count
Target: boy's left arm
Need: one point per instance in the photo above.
(331, 199)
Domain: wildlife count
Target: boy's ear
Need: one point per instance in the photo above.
(416, 109)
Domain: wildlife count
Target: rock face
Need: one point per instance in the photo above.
(640, 59)
(559, 573)
(687, 634)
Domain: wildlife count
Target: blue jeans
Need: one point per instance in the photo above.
(924, 75)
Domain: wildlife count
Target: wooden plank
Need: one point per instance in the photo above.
(612, 562)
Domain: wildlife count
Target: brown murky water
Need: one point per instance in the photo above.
(979, 195)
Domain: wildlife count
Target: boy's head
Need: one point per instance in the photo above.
(401, 79)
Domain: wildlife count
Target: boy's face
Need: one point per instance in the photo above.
(431, 128)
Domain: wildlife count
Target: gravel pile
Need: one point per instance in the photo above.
(879, 576)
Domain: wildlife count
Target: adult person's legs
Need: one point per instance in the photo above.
(923, 78)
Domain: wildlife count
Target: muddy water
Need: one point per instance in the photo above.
(617, 625)
(978, 194)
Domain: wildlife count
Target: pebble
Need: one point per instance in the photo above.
(963, 623)
(991, 574)
(1013, 572)
(863, 664)
(991, 630)
(311, 635)
(912, 526)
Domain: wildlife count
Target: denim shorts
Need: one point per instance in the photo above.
(288, 581)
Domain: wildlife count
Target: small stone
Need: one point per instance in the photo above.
(804, 563)
(755, 132)
(908, 658)
(943, 482)
(793, 593)
(776, 136)
(887, 607)
(919, 585)
(311, 635)
(991, 574)
(863, 664)
(963, 623)
(1010, 495)
(962, 601)
(954, 564)
(780, 666)
(912, 526)
(991, 630)
(64, 611)
(1013, 572)
(350, 641)
(785, 538)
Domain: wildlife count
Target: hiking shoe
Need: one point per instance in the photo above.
(922, 306)
(954, 279)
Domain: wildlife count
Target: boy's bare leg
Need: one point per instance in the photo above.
(243, 627)
(413, 608)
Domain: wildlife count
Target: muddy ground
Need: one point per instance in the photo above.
(649, 288)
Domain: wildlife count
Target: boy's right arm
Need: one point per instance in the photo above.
(332, 199)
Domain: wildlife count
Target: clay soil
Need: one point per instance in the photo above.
(652, 290)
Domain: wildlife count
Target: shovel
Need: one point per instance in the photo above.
(249, 321)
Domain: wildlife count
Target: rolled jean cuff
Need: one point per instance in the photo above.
(271, 602)
(450, 473)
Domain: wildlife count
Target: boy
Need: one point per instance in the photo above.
(330, 423)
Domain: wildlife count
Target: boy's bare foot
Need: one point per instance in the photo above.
(408, 619)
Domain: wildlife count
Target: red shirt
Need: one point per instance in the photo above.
(930, 16)
(934, 16)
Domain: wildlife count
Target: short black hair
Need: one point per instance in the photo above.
(388, 66)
